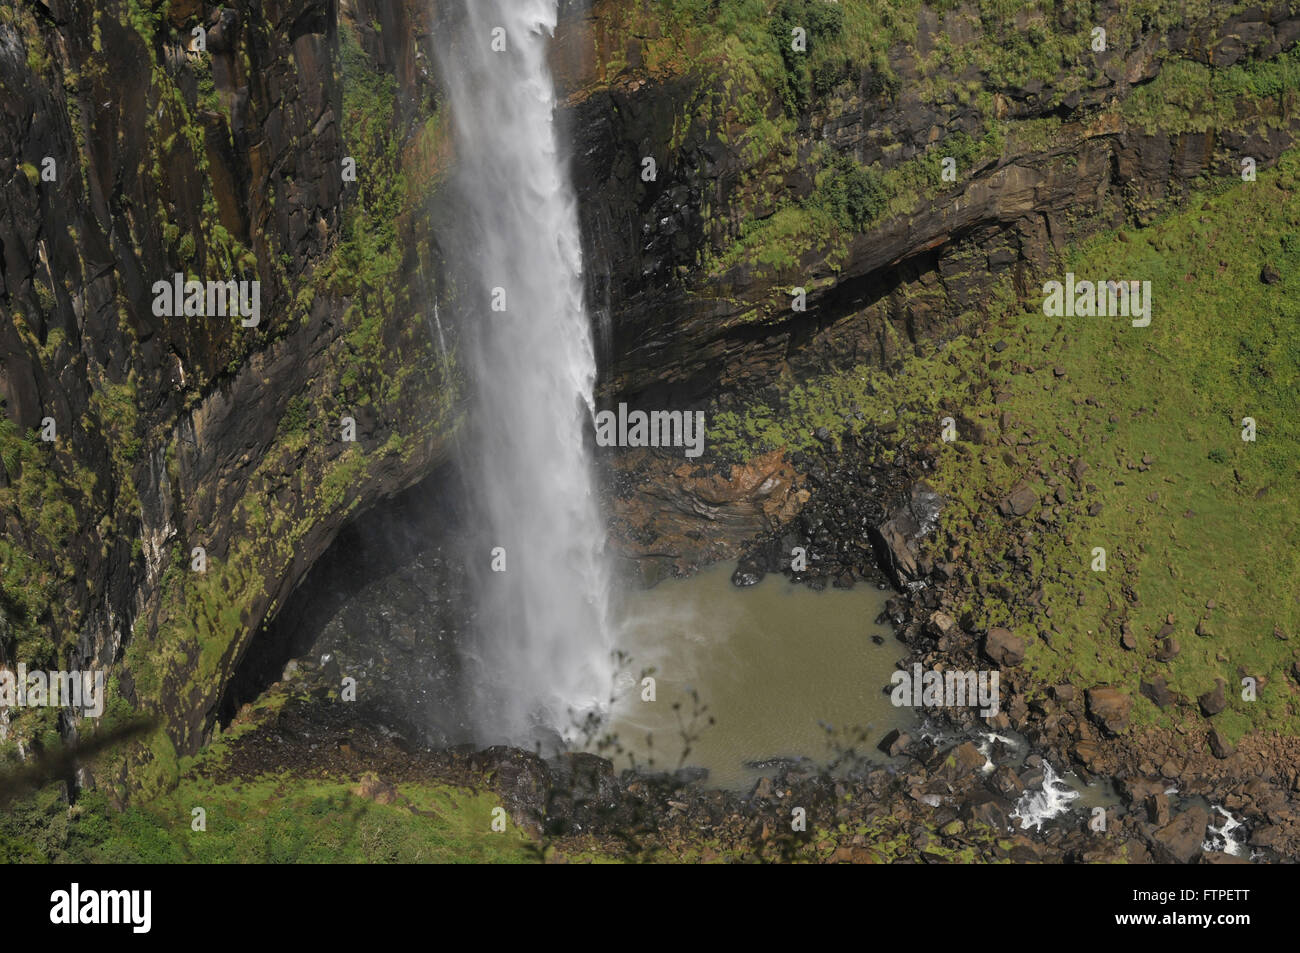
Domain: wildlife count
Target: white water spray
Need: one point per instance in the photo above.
(442, 342)
(1036, 808)
(543, 651)
(1227, 838)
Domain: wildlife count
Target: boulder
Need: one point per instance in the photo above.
(1136, 789)
(374, 788)
(897, 539)
(1109, 707)
(1220, 747)
(521, 778)
(985, 807)
(1019, 502)
(895, 743)
(1090, 754)
(1158, 808)
(967, 759)
(1179, 841)
(1004, 647)
(1213, 702)
(1158, 691)
(942, 624)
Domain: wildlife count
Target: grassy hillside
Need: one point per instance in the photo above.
(275, 817)
(1211, 518)
(268, 820)
(1189, 514)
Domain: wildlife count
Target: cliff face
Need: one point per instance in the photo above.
(771, 172)
(174, 433)
(758, 151)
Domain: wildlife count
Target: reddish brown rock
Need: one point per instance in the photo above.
(1220, 747)
(1004, 647)
(1109, 708)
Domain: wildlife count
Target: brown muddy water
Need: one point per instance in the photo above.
(773, 665)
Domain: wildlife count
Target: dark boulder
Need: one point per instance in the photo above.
(895, 743)
(1158, 691)
(897, 539)
(1220, 747)
(1019, 502)
(1004, 647)
(1214, 701)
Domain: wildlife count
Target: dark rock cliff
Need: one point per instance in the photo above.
(182, 432)
(1060, 149)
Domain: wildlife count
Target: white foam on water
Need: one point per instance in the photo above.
(1229, 837)
(930, 732)
(985, 748)
(1054, 798)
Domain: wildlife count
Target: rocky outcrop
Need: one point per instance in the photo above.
(670, 516)
(1004, 647)
(899, 538)
(661, 254)
(188, 443)
(1179, 841)
(1109, 707)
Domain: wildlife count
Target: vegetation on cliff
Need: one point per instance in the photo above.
(58, 501)
(1189, 514)
(992, 79)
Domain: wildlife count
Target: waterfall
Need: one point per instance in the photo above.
(542, 649)
(442, 342)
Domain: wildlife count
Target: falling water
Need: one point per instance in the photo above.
(543, 652)
(442, 342)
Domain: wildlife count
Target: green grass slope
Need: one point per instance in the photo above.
(1210, 519)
